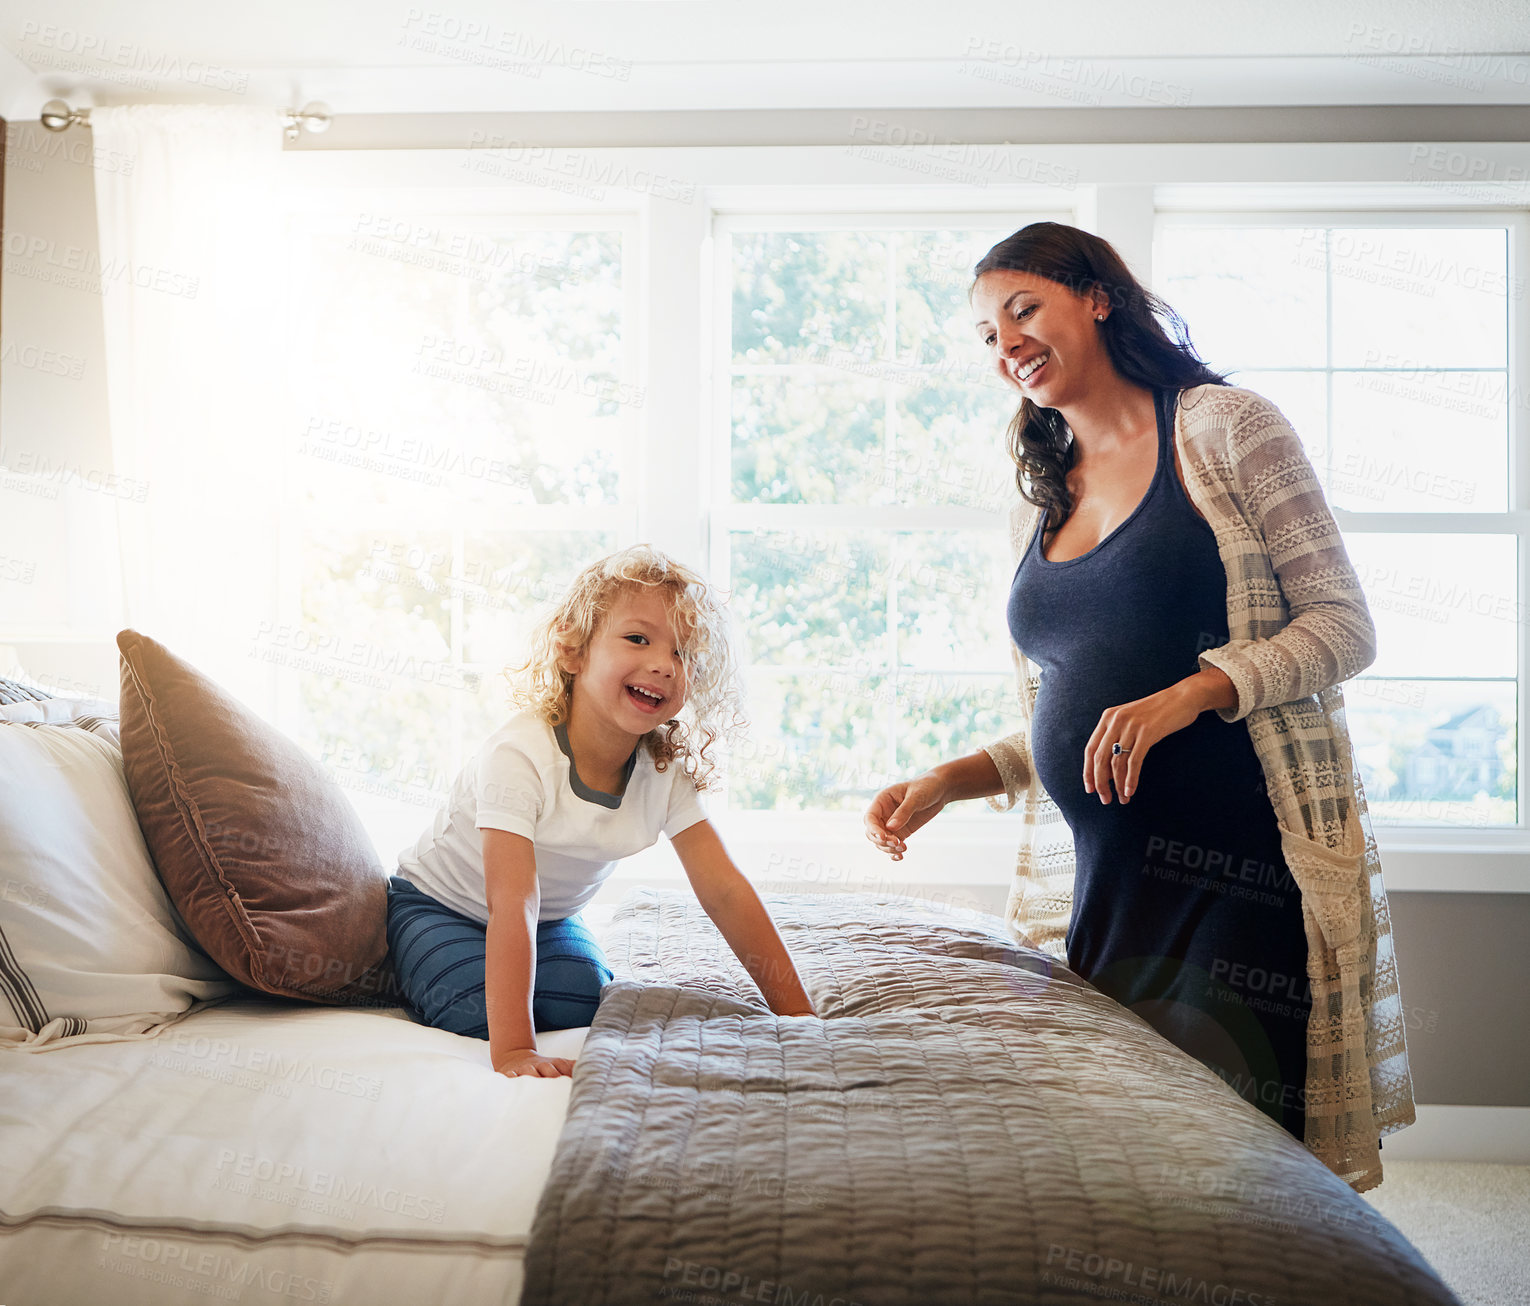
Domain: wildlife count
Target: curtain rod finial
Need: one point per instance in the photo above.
(57, 116)
(315, 116)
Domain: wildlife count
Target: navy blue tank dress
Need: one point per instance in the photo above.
(1183, 907)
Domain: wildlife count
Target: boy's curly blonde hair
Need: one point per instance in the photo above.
(701, 627)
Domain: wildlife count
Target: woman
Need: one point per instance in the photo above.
(1189, 607)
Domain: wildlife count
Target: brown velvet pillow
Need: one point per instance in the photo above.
(261, 853)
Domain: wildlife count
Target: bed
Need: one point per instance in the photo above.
(966, 1121)
(259, 1150)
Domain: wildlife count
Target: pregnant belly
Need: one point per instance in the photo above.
(1065, 717)
(1175, 771)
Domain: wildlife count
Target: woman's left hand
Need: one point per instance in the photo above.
(1136, 726)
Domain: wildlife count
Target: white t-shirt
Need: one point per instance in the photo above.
(524, 781)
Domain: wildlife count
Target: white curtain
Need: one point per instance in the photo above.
(192, 283)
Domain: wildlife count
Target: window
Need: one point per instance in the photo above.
(775, 377)
(860, 503)
(461, 443)
(1384, 340)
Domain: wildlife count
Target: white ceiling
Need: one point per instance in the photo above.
(437, 56)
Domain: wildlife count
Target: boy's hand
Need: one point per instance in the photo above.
(528, 1061)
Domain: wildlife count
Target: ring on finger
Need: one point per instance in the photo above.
(1117, 751)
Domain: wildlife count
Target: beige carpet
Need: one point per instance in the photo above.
(1471, 1222)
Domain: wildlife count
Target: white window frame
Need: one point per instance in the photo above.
(1116, 190)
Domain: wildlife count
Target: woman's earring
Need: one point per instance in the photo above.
(1099, 317)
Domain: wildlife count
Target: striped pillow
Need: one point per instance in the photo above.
(14, 691)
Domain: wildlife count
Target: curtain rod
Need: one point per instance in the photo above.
(57, 116)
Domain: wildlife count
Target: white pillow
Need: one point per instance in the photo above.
(90, 945)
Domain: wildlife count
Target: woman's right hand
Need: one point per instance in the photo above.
(528, 1061)
(902, 808)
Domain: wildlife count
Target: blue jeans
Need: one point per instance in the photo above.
(438, 955)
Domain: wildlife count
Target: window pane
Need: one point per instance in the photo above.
(951, 589)
(831, 741)
(813, 608)
(508, 579)
(951, 444)
(1444, 605)
(823, 412)
(812, 599)
(935, 328)
(1420, 297)
(799, 295)
(419, 386)
(1251, 296)
(1413, 323)
(944, 716)
(1397, 448)
(372, 656)
(816, 741)
(808, 439)
(1436, 752)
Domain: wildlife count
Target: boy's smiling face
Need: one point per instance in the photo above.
(632, 676)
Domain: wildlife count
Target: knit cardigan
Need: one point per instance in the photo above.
(1298, 625)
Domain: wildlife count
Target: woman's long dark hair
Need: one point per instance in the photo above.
(1139, 348)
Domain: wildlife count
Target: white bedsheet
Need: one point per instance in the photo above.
(261, 1152)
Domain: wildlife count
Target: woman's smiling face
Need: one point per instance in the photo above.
(1043, 338)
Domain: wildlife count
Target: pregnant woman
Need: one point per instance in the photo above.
(1181, 611)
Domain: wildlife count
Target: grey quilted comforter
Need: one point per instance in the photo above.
(966, 1122)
